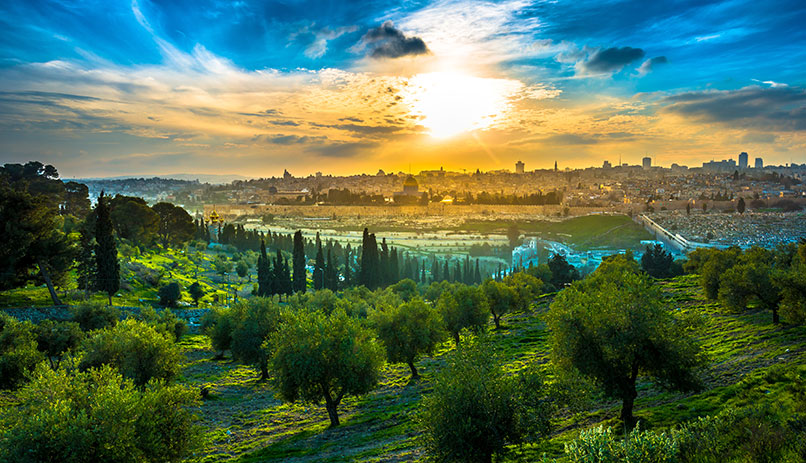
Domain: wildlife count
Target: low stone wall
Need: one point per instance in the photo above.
(61, 313)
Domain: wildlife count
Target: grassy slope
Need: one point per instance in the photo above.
(245, 422)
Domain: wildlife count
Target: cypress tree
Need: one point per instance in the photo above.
(363, 272)
(331, 274)
(477, 276)
(347, 272)
(434, 270)
(298, 262)
(286, 283)
(422, 275)
(408, 272)
(277, 275)
(386, 270)
(85, 267)
(446, 272)
(107, 267)
(319, 266)
(394, 267)
(263, 272)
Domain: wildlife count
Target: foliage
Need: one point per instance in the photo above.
(614, 326)
(55, 339)
(165, 322)
(465, 307)
(711, 272)
(175, 225)
(135, 349)
(406, 289)
(98, 416)
(319, 357)
(217, 324)
(476, 409)
(107, 267)
(562, 273)
(133, 219)
(599, 445)
(408, 331)
(527, 288)
(657, 262)
(170, 294)
(94, 316)
(252, 323)
(18, 351)
(196, 292)
(500, 298)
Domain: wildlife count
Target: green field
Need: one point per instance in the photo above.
(751, 362)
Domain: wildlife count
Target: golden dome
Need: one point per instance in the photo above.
(410, 182)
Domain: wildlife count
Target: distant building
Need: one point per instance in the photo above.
(519, 167)
(717, 166)
(411, 191)
(287, 175)
(606, 165)
(742, 160)
(555, 166)
(759, 163)
(647, 162)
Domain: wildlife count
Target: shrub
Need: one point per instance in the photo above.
(196, 292)
(476, 409)
(18, 351)
(170, 294)
(95, 316)
(135, 349)
(55, 339)
(98, 416)
(165, 322)
(598, 445)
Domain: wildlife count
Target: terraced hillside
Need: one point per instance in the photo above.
(751, 361)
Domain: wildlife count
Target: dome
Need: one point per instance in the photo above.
(410, 182)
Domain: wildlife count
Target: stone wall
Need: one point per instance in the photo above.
(61, 313)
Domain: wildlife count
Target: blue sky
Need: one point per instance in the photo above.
(115, 88)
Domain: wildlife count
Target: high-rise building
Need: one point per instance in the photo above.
(759, 163)
(519, 167)
(742, 160)
(647, 162)
(606, 165)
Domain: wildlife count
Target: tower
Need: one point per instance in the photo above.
(759, 163)
(519, 167)
(647, 162)
(742, 160)
(555, 166)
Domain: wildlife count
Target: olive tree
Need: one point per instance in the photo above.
(463, 307)
(320, 357)
(135, 349)
(408, 331)
(613, 327)
(55, 339)
(500, 298)
(98, 416)
(18, 351)
(252, 323)
(477, 409)
(217, 324)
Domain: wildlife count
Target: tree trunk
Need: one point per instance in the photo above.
(629, 400)
(332, 413)
(264, 370)
(414, 373)
(497, 320)
(775, 319)
(456, 338)
(110, 298)
(43, 269)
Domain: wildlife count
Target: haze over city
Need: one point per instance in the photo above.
(253, 88)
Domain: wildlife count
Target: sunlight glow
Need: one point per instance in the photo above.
(451, 103)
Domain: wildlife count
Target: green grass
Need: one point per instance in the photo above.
(750, 362)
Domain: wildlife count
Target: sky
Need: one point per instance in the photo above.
(112, 88)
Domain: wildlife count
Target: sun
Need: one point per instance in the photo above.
(451, 103)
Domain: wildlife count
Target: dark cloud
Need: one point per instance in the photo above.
(281, 139)
(757, 137)
(351, 119)
(344, 150)
(652, 63)
(386, 41)
(611, 59)
(776, 108)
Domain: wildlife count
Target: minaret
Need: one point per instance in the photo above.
(555, 166)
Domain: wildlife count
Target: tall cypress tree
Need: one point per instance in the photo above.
(477, 276)
(286, 283)
(319, 266)
(85, 267)
(277, 274)
(363, 272)
(263, 272)
(298, 261)
(422, 275)
(107, 267)
(347, 273)
(434, 270)
(394, 267)
(331, 274)
(386, 271)
(446, 271)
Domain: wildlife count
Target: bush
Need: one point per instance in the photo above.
(406, 289)
(55, 339)
(18, 351)
(196, 292)
(464, 308)
(98, 416)
(598, 445)
(170, 294)
(165, 322)
(135, 349)
(95, 316)
(476, 409)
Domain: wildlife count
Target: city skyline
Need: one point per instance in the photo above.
(252, 88)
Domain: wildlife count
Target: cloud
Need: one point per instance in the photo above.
(773, 108)
(650, 65)
(343, 150)
(609, 60)
(282, 139)
(386, 41)
(317, 39)
(757, 137)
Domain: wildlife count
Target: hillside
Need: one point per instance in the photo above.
(750, 362)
